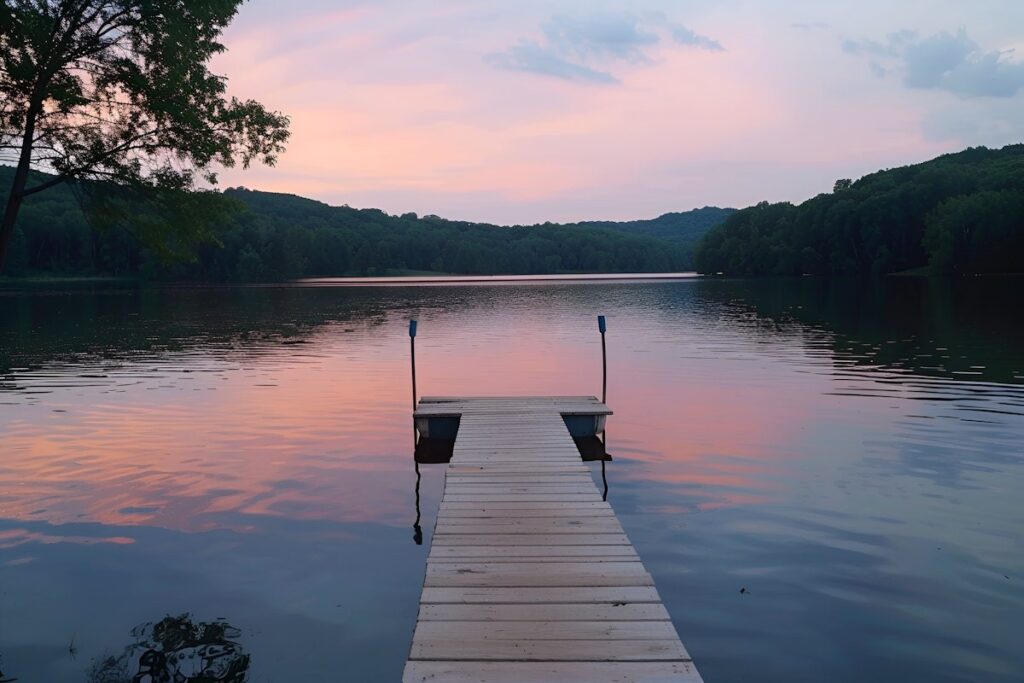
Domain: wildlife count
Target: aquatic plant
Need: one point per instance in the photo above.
(176, 650)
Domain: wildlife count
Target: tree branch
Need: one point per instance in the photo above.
(44, 186)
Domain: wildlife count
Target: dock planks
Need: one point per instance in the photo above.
(530, 577)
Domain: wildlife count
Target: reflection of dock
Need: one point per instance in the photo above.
(530, 576)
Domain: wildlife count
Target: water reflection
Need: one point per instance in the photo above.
(920, 328)
(427, 451)
(417, 535)
(850, 454)
(417, 530)
(606, 457)
(176, 649)
(948, 354)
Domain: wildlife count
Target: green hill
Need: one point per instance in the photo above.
(958, 213)
(686, 227)
(278, 236)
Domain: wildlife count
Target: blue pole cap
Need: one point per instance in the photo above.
(601, 324)
(412, 328)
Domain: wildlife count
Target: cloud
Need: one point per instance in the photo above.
(861, 48)
(584, 48)
(686, 36)
(608, 35)
(893, 47)
(810, 25)
(532, 57)
(929, 61)
(946, 61)
(878, 70)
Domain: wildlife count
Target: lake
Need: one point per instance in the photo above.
(851, 453)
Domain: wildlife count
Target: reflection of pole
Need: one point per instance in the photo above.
(417, 530)
(604, 456)
(602, 327)
(412, 351)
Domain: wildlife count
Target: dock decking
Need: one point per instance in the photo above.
(530, 576)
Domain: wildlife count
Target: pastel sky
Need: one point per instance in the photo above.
(526, 111)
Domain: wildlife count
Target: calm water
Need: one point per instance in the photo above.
(849, 453)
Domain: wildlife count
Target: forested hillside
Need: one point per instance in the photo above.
(959, 213)
(682, 227)
(277, 237)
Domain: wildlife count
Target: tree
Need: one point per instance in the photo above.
(977, 233)
(119, 91)
(842, 184)
(958, 213)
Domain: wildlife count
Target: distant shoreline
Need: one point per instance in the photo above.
(56, 283)
(50, 284)
(489, 279)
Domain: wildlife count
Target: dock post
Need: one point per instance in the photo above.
(412, 350)
(602, 328)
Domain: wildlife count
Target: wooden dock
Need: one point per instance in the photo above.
(530, 576)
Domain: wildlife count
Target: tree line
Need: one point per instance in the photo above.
(959, 213)
(268, 237)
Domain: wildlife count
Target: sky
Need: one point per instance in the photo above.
(528, 111)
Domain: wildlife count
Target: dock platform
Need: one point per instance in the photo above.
(530, 576)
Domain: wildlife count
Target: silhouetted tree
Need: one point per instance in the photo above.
(120, 91)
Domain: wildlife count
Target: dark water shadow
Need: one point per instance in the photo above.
(433, 451)
(941, 328)
(591, 448)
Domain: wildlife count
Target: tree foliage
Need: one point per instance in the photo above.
(121, 91)
(957, 213)
(979, 232)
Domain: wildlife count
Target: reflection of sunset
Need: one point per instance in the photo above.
(720, 442)
(315, 431)
(321, 430)
(309, 420)
(12, 538)
(280, 438)
(249, 452)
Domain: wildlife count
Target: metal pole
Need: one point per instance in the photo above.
(602, 327)
(412, 351)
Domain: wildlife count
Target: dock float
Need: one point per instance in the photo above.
(530, 576)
